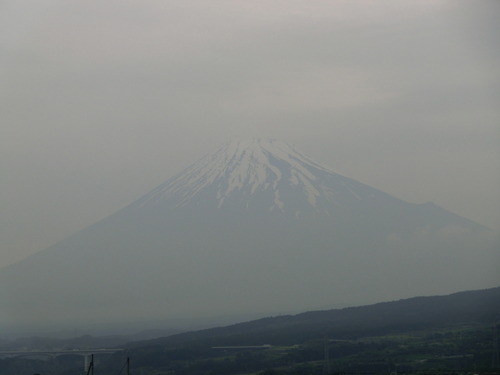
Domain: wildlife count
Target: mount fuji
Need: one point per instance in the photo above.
(255, 228)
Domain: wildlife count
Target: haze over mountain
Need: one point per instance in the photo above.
(255, 228)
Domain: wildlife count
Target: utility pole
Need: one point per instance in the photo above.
(90, 370)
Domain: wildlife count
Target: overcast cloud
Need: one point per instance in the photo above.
(102, 101)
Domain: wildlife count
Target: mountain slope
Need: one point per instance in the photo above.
(417, 313)
(255, 228)
(431, 335)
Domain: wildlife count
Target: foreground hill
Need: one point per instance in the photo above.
(482, 306)
(424, 335)
(255, 228)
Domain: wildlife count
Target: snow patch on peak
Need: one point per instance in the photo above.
(307, 186)
(277, 201)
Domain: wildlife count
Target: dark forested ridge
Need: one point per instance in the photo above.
(454, 334)
(450, 334)
(417, 313)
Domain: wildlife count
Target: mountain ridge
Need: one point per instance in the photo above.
(422, 312)
(260, 229)
(249, 162)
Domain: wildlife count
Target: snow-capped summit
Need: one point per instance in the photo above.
(264, 173)
(245, 167)
(256, 227)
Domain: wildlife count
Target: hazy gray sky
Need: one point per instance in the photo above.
(102, 101)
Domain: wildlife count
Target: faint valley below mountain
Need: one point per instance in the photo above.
(255, 228)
